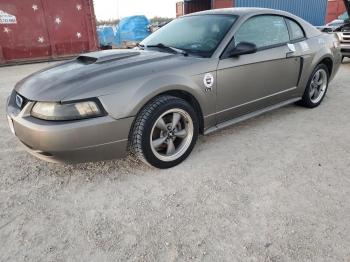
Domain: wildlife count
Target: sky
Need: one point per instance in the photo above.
(112, 9)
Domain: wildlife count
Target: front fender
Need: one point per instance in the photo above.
(130, 101)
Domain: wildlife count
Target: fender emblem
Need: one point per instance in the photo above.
(208, 82)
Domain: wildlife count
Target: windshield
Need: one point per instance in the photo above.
(335, 24)
(344, 16)
(199, 34)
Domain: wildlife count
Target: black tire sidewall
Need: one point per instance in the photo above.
(146, 136)
(306, 97)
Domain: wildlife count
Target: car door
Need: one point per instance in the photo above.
(251, 82)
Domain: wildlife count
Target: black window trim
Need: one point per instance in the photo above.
(224, 54)
(297, 40)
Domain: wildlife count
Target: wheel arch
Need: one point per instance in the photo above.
(185, 95)
(328, 62)
(310, 65)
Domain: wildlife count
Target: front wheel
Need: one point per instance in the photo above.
(164, 132)
(316, 88)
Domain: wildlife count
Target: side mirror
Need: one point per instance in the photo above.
(243, 48)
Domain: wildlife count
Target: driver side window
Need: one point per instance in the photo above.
(263, 31)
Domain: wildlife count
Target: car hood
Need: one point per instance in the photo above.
(96, 74)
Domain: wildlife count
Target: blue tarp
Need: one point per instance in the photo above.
(131, 29)
(105, 35)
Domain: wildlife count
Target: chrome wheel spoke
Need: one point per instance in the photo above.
(158, 142)
(171, 147)
(318, 86)
(317, 76)
(312, 92)
(161, 124)
(319, 82)
(181, 134)
(316, 93)
(176, 120)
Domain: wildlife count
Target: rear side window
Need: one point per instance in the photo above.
(263, 31)
(296, 32)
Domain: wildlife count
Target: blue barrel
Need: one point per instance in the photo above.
(132, 29)
(105, 35)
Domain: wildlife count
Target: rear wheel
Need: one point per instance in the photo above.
(316, 88)
(164, 132)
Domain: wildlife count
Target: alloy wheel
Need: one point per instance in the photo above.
(171, 135)
(318, 86)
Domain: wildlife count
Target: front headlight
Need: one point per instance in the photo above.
(66, 111)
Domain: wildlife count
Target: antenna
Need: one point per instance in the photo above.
(118, 9)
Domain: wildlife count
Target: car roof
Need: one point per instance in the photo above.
(239, 11)
(243, 12)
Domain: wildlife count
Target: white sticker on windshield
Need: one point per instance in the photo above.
(304, 46)
(6, 18)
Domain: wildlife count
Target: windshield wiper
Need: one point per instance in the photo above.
(162, 46)
(141, 46)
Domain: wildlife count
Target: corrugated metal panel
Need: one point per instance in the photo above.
(45, 29)
(313, 11)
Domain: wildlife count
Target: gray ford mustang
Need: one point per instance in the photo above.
(200, 73)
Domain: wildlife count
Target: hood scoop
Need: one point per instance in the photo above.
(105, 56)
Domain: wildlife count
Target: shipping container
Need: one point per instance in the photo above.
(45, 29)
(335, 9)
(313, 11)
(192, 6)
(216, 4)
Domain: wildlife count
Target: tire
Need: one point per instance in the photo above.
(316, 90)
(172, 124)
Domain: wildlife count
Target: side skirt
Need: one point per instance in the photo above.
(250, 115)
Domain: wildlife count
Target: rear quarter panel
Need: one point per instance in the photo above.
(317, 49)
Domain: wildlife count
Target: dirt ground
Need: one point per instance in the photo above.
(274, 188)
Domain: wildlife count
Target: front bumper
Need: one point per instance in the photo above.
(345, 49)
(94, 139)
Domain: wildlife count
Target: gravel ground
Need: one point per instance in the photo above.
(274, 188)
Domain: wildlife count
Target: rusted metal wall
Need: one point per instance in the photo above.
(196, 6)
(192, 6)
(335, 8)
(222, 4)
(45, 29)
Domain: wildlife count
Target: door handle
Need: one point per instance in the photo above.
(291, 50)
